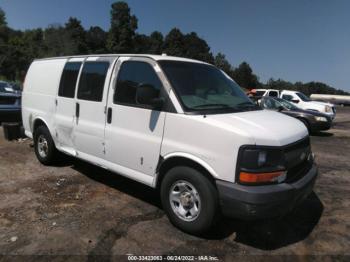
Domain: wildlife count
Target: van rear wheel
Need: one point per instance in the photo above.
(44, 146)
(189, 199)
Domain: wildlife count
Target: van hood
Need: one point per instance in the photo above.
(262, 127)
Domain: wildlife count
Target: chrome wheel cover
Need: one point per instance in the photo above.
(185, 200)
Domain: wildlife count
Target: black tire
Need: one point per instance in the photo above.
(209, 211)
(52, 153)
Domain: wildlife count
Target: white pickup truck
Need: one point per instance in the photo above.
(304, 102)
(300, 100)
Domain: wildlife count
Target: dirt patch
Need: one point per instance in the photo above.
(79, 209)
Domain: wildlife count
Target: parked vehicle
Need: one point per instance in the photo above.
(298, 98)
(334, 99)
(267, 92)
(256, 94)
(314, 121)
(304, 102)
(10, 103)
(176, 124)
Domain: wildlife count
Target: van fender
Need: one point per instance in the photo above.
(191, 157)
(45, 122)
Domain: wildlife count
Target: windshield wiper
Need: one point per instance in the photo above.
(210, 105)
(247, 105)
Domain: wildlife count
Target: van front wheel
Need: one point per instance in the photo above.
(44, 146)
(189, 199)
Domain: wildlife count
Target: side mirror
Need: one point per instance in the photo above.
(147, 94)
(280, 108)
(295, 101)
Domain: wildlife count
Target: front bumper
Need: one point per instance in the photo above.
(330, 114)
(258, 202)
(320, 126)
(10, 115)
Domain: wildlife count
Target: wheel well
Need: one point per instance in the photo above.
(166, 165)
(37, 123)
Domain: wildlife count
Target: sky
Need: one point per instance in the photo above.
(296, 40)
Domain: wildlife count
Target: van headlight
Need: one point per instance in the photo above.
(321, 118)
(328, 109)
(260, 165)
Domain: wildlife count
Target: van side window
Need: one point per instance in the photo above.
(131, 75)
(287, 97)
(69, 79)
(92, 81)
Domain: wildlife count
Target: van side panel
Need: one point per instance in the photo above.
(39, 93)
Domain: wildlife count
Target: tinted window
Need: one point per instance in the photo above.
(92, 81)
(273, 93)
(270, 103)
(260, 93)
(69, 79)
(132, 74)
(287, 97)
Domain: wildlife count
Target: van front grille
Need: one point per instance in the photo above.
(298, 159)
(299, 171)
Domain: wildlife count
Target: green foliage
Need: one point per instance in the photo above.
(96, 40)
(221, 62)
(76, 37)
(197, 48)
(189, 45)
(174, 43)
(2, 18)
(156, 43)
(244, 76)
(122, 32)
(306, 88)
(18, 49)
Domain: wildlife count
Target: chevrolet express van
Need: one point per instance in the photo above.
(179, 125)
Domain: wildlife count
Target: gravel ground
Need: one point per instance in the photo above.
(76, 211)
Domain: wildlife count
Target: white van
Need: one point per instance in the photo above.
(179, 125)
(304, 102)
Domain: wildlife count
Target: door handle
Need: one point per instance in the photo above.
(109, 115)
(77, 110)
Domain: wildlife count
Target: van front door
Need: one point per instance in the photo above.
(90, 108)
(65, 105)
(134, 130)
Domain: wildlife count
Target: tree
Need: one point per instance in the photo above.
(221, 62)
(142, 44)
(174, 43)
(19, 48)
(3, 39)
(197, 48)
(56, 41)
(122, 32)
(77, 37)
(2, 18)
(156, 43)
(96, 40)
(244, 76)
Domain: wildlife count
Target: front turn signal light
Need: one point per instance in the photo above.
(269, 177)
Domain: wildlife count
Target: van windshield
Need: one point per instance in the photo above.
(205, 89)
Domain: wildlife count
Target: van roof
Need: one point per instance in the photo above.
(154, 57)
